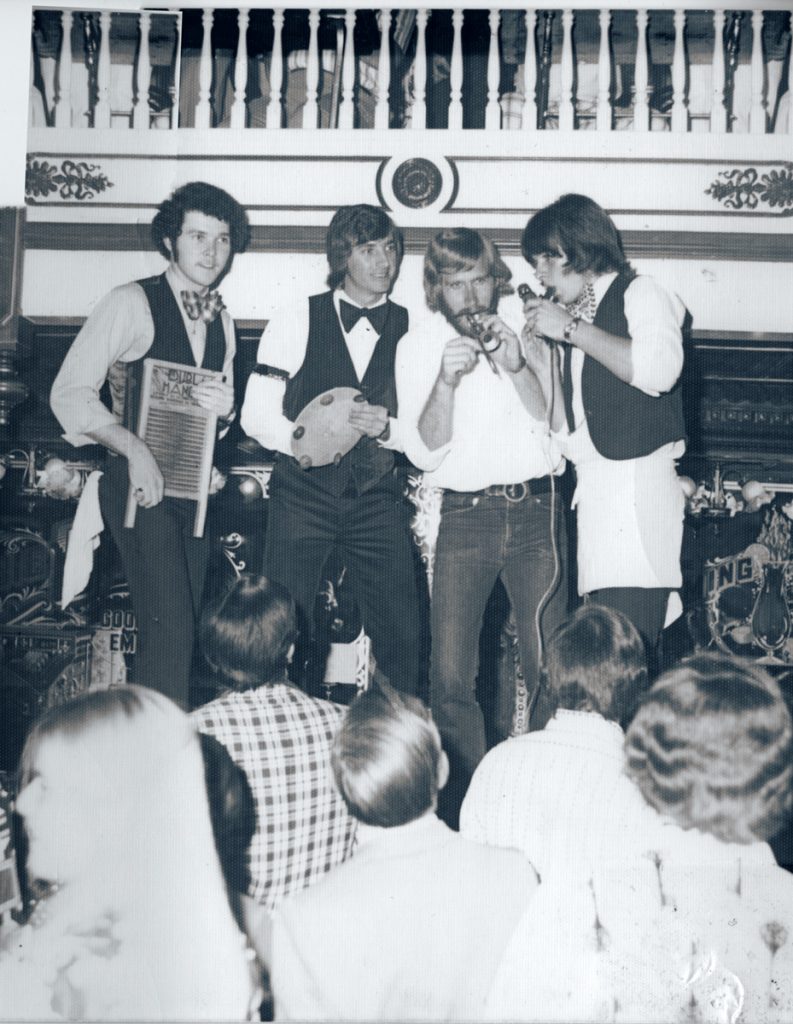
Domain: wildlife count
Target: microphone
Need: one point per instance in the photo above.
(525, 292)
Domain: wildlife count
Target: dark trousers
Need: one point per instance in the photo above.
(482, 538)
(165, 568)
(371, 533)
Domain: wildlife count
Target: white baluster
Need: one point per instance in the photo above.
(604, 74)
(530, 74)
(679, 108)
(273, 119)
(238, 110)
(381, 111)
(203, 110)
(418, 116)
(493, 108)
(641, 79)
(347, 107)
(102, 108)
(566, 112)
(140, 110)
(757, 117)
(456, 71)
(311, 109)
(718, 112)
(63, 98)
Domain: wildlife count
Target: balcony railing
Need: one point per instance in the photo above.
(643, 70)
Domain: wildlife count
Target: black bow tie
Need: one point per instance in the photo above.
(206, 306)
(350, 315)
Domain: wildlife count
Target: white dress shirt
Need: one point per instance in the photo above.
(120, 329)
(494, 438)
(630, 511)
(283, 346)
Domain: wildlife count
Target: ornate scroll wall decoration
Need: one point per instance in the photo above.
(746, 189)
(72, 180)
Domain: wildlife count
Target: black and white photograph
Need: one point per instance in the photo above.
(396, 512)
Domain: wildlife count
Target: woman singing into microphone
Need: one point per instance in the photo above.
(615, 406)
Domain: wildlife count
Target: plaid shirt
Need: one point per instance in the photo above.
(281, 738)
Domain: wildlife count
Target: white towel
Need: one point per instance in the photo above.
(83, 541)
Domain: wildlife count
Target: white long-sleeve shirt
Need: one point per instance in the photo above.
(283, 346)
(630, 511)
(120, 329)
(494, 438)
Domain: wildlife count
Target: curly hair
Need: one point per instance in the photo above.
(595, 661)
(356, 225)
(575, 226)
(711, 747)
(457, 250)
(203, 198)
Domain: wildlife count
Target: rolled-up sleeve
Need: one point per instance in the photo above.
(119, 329)
(655, 318)
(416, 370)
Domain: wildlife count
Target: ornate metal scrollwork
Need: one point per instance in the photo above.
(746, 189)
(72, 180)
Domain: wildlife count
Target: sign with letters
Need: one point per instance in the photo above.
(179, 433)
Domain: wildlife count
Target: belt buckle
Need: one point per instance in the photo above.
(516, 492)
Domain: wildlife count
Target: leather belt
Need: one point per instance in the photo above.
(513, 492)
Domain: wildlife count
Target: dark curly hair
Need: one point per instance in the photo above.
(204, 198)
(356, 225)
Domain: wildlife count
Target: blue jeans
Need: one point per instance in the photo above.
(482, 538)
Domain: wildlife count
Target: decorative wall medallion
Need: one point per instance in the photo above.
(744, 190)
(417, 183)
(72, 180)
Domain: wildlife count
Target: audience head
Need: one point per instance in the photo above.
(201, 198)
(711, 747)
(455, 253)
(248, 634)
(387, 758)
(578, 230)
(115, 807)
(595, 661)
(101, 768)
(354, 226)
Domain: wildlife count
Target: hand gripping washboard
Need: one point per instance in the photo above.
(178, 432)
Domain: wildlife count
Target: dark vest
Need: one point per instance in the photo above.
(624, 422)
(170, 343)
(327, 364)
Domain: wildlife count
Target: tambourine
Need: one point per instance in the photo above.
(322, 434)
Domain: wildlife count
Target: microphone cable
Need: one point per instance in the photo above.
(525, 292)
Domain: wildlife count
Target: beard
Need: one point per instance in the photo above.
(460, 321)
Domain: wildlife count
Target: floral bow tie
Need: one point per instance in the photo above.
(205, 307)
